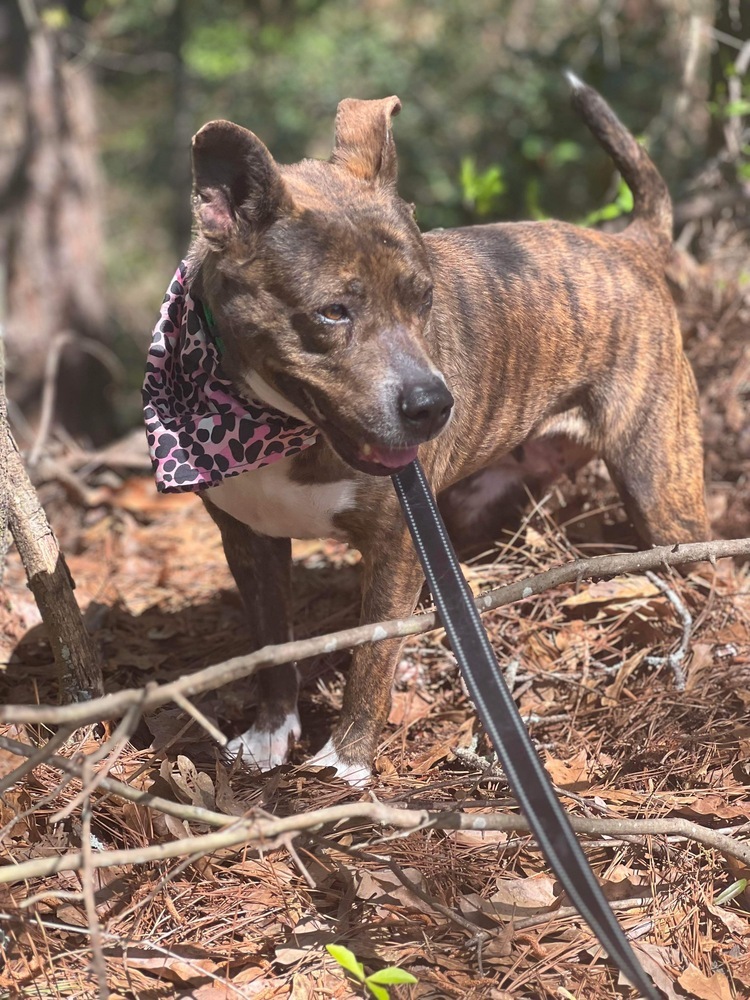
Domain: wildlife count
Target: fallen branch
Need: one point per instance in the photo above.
(76, 655)
(264, 830)
(154, 696)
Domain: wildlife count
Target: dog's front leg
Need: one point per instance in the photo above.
(261, 568)
(391, 584)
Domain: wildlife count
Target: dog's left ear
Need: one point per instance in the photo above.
(364, 140)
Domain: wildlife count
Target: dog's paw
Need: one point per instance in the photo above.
(263, 748)
(355, 775)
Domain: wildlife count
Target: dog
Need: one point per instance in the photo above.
(369, 341)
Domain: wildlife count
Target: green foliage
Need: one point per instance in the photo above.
(218, 50)
(734, 109)
(55, 18)
(486, 131)
(376, 982)
(481, 191)
(281, 68)
(622, 205)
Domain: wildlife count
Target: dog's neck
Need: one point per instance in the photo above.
(200, 430)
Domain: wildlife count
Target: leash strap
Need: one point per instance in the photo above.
(497, 711)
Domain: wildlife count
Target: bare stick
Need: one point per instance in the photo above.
(674, 660)
(114, 705)
(76, 655)
(265, 830)
(98, 964)
(189, 709)
(86, 344)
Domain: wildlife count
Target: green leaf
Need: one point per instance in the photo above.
(218, 50)
(624, 199)
(391, 976)
(55, 18)
(379, 992)
(480, 190)
(565, 152)
(731, 891)
(347, 960)
(736, 109)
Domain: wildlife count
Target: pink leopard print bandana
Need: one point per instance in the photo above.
(199, 430)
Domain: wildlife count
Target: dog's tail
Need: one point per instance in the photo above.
(651, 202)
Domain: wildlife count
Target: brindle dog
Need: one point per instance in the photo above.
(333, 307)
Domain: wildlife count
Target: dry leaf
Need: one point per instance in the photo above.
(408, 707)
(477, 838)
(184, 964)
(308, 934)
(619, 588)
(715, 805)
(715, 987)
(514, 898)
(382, 887)
(654, 959)
(572, 774)
(731, 919)
(528, 895)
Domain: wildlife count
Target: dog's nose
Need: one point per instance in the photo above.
(426, 405)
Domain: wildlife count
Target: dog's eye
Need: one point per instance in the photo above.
(426, 301)
(335, 313)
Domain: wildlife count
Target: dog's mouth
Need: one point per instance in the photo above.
(378, 461)
(373, 459)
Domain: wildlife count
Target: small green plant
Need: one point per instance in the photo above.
(481, 191)
(377, 981)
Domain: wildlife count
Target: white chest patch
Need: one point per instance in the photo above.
(269, 502)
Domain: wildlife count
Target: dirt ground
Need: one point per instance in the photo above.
(617, 737)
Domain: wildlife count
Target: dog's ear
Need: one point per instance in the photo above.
(364, 140)
(236, 181)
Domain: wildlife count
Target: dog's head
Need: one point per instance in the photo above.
(320, 285)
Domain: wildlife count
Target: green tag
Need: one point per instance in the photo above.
(212, 328)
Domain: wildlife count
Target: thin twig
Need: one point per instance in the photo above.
(113, 705)
(103, 354)
(112, 786)
(265, 830)
(189, 709)
(674, 660)
(38, 756)
(115, 745)
(473, 930)
(98, 964)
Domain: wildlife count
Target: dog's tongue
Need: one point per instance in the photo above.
(389, 458)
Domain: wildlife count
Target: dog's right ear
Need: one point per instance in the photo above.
(236, 182)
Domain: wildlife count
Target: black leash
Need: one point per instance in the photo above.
(523, 769)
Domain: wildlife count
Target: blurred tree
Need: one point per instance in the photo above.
(51, 241)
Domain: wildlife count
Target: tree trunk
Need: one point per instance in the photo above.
(50, 221)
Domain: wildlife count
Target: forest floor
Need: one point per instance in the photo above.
(468, 913)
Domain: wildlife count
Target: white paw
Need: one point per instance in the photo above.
(265, 749)
(354, 774)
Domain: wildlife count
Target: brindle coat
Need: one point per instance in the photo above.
(536, 328)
